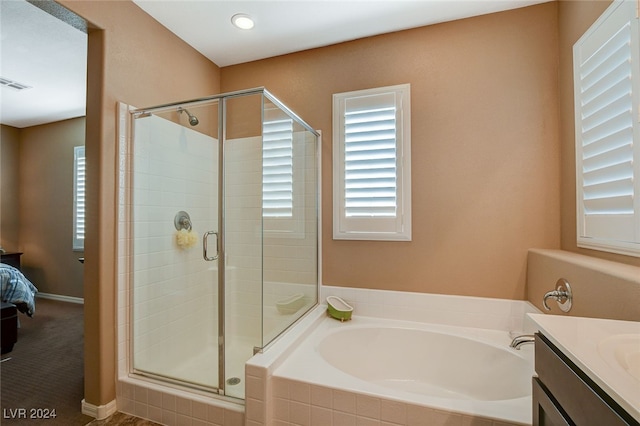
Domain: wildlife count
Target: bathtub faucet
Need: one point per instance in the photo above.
(521, 340)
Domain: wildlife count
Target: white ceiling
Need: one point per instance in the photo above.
(43, 52)
(40, 51)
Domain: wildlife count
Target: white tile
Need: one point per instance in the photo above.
(300, 392)
(321, 397)
(367, 406)
(299, 413)
(343, 419)
(344, 402)
(392, 411)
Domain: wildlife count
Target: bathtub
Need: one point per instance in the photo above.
(466, 371)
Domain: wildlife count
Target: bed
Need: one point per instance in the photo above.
(17, 289)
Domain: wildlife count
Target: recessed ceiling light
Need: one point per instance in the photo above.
(242, 21)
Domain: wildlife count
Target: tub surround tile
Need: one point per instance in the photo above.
(359, 409)
(300, 413)
(254, 387)
(344, 401)
(321, 397)
(280, 387)
(365, 421)
(281, 409)
(255, 410)
(393, 412)
(300, 392)
(320, 416)
(367, 406)
(344, 419)
(475, 421)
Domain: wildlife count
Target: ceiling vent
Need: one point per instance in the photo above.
(5, 82)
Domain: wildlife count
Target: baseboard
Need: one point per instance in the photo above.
(61, 298)
(100, 412)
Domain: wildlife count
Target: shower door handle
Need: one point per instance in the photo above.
(205, 243)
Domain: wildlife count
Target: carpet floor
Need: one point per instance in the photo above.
(45, 370)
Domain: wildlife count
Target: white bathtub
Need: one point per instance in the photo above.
(449, 368)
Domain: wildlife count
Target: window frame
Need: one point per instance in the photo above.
(397, 227)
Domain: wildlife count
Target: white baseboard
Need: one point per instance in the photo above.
(99, 412)
(61, 298)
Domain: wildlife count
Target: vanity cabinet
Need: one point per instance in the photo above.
(564, 395)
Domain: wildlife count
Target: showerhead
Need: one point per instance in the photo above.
(193, 120)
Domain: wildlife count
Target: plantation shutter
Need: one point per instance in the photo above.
(277, 168)
(370, 156)
(79, 197)
(372, 164)
(606, 86)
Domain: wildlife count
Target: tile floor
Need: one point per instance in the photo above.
(121, 419)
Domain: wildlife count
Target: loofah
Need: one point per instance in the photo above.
(186, 239)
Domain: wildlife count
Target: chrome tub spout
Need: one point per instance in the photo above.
(521, 340)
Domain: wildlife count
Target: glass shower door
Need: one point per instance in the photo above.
(175, 229)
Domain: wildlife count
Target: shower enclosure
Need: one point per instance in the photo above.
(224, 235)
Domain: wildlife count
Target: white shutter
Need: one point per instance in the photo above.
(372, 164)
(370, 156)
(79, 197)
(607, 131)
(277, 168)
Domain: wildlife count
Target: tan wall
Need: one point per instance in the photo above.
(9, 191)
(601, 288)
(575, 17)
(46, 206)
(132, 59)
(485, 149)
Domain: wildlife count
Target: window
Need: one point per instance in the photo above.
(78, 197)
(607, 99)
(372, 164)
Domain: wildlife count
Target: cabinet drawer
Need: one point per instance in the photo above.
(583, 400)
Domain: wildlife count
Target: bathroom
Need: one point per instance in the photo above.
(492, 148)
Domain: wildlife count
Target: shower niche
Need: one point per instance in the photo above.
(222, 224)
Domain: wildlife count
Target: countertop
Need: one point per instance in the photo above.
(608, 351)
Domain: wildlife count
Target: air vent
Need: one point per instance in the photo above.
(5, 82)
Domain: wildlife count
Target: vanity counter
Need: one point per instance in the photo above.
(607, 351)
